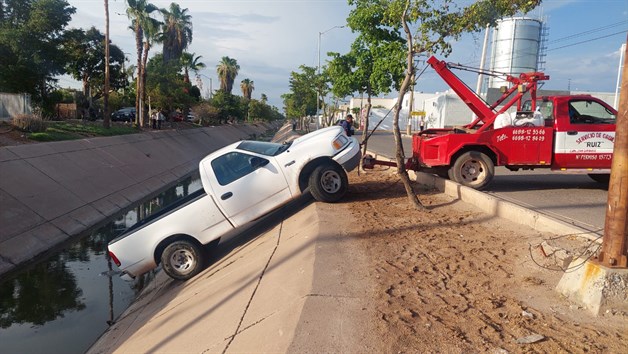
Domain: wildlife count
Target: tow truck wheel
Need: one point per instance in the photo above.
(473, 169)
(328, 183)
(182, 260)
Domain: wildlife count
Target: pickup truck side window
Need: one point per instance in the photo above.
(232, 166)
(589, 112)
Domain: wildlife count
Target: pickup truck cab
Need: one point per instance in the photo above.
(241, 183)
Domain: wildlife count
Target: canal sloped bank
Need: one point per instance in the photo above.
(50, 192)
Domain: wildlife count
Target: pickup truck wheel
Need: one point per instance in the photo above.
(328, 183)
(182, 260)
(473, 169)
(602, 178)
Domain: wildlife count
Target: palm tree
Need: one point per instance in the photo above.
(264, 98)
(247, 88)
(227, 71)
(190, 63)
(151, 34)
(177, 32)
(106, 119)
(139, 12)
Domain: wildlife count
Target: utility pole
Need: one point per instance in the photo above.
(614, 253)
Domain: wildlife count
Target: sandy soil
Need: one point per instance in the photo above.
(10, 136)
(453, 280)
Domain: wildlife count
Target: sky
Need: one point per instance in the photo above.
(271, 39)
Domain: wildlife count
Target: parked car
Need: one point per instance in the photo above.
(126, 114)
(176, 116)
(241, 183)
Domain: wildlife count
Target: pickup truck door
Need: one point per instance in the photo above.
(247, 186)
(585, 136)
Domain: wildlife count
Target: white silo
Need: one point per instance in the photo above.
(516, 47)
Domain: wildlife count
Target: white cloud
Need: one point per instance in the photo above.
(270, 39)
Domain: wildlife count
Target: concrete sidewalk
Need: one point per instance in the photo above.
(286, 290)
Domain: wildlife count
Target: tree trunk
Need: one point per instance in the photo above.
(138, 86)
(400, 157)
(144, 61)
(106, 122)
(365, 129)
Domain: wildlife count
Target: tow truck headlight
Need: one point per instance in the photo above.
(339, 142)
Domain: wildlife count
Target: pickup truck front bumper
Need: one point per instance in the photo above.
(349, 157)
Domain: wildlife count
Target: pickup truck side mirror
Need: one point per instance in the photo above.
(257, 162)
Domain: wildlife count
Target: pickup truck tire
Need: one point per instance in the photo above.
(473, 169)
(182, 260)
(328, 182)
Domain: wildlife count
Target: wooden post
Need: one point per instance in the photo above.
(614, 253)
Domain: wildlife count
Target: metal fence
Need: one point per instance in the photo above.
(12, 104)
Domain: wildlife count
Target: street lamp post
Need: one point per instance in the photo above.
(319, 71)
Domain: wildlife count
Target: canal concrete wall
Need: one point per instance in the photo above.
(50, 192)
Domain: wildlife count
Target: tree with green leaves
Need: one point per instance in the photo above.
(227, 70)
(300, 103)
(191, 62)
(428, 26)
(177, 32)
(165, 85)
(139, 12)
(373, 66)
(151, 35)
(85, 53)
(31, 52)
(247, 86)
(230, 108)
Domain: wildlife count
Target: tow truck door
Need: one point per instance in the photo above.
(585, 135)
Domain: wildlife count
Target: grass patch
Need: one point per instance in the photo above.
(58, 131)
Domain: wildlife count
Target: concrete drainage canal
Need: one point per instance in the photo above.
(63, 303)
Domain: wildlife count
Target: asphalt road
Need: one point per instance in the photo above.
(575, 199)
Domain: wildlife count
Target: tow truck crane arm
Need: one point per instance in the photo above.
(486, 113)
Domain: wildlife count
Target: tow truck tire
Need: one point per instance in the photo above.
(473, 169)
(328, 182)
(182, 260)
(602, 178)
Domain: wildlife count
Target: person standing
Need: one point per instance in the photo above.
(160, 117)
(347, 124)
(153, 119)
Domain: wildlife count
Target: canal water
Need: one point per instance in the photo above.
(64, 303)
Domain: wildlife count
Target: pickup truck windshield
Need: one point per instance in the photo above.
(264, 148)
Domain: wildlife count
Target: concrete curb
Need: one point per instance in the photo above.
(494, 206)
(52, 192)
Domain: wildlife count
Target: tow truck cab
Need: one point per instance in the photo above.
(584, 132)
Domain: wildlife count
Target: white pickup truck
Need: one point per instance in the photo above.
(241, 183)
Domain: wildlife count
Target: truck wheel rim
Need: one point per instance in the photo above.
(182, 261)
(473, 171)
(331, 182)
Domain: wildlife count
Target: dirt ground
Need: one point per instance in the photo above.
(453, 280)
(10, 136)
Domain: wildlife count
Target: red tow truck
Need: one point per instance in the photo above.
(573, 133)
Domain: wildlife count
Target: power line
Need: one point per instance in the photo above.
(589, 31)
(588, 40)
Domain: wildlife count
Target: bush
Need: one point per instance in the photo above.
(206, 114)
(29, 123)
